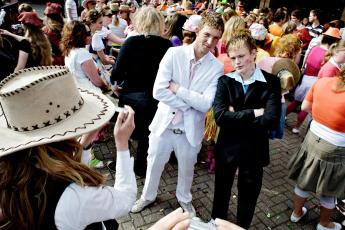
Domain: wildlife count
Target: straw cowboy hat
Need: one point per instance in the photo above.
(124, 8)
(288, 72)
(41, 105)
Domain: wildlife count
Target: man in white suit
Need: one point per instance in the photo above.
(185, 87)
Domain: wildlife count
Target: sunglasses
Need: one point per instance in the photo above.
(108, 15)
(92, 3)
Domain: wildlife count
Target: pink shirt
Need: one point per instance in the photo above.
(314, 61)
(330, 69)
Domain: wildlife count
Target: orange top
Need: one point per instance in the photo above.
(328, 107)
(225, 60)
(275, 30)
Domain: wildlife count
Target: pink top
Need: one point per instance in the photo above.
(328, 70)
(267, 63)
(314, 61)
(221, 46)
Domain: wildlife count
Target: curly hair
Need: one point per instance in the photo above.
(73, 36)
(92, 16)
(40, 45)
(212, 19)
(288, 46)
(23, 178)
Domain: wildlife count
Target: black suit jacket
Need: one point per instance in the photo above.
(242, 136)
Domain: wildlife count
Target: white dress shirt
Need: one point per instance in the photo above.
(80, 206)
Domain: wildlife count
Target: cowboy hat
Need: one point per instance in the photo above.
(192, 24)
(85, 2)
(41, 105)
(30, 18)
(333, 32)
(52, 8)
(288, 72)
(124, 8)
(114, 7)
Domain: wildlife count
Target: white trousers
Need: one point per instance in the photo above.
(160, 148)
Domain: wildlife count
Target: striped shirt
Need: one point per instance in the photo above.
(72, 6)
(314, 31)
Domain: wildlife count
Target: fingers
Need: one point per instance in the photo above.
(120, 118)
(183, 225)
(175, 217)
(130, 115)
(226, 225)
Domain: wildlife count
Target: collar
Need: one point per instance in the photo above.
(331, 60)
(191, 54)
(257, 76)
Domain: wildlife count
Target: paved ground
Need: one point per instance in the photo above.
(274, 205)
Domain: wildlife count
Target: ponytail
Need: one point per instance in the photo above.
(330, 52)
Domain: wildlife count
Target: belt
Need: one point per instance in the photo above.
(177, 131)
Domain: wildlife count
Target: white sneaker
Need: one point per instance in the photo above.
(295, 130)
(141, 205)
(188, 207)
(337, 226)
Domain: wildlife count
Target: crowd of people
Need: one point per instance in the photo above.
(181, 72)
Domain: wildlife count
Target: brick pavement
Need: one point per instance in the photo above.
(274, 204)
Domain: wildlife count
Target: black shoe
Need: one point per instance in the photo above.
(140, 169)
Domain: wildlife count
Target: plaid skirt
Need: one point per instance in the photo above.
(319, 167)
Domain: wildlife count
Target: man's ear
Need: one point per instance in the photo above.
(197, 30)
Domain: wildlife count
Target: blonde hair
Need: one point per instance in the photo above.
(40, 45)
(232, 26)
(288, 46)
(241, 39)
(24, 174)
(340, 86)
(54, 23)
(289, 27)
(149, 21)
(25, 7)
(213, 20)
(332, 50)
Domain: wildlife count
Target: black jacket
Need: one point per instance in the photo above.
(242, 136)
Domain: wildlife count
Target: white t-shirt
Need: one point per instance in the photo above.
(70, 4)
(118, 30)
(80, 206)
(73, 61)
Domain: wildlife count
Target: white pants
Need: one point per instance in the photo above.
(160, 148)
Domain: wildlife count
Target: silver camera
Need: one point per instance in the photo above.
(197, 224)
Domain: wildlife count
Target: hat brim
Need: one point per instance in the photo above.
(86, 2)
(95, 112)
(289, 65)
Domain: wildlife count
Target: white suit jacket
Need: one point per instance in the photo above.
(194, 101)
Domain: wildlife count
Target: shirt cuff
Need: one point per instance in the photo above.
(181, 92)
